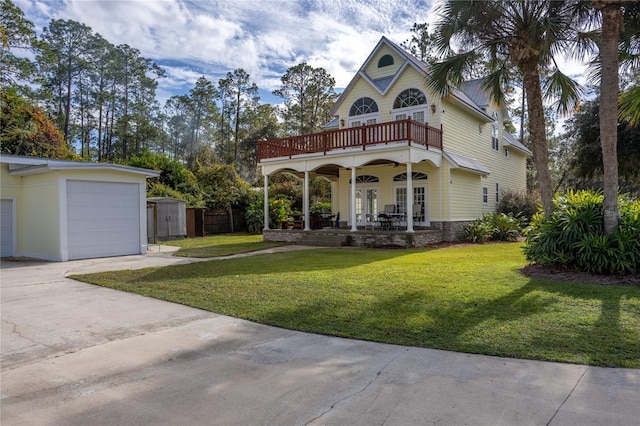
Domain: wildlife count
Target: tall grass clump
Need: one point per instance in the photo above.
(493, 226)
(573, 235)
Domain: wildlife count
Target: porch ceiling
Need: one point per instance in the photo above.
(329, 164)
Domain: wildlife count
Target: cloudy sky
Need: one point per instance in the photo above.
(264, 37)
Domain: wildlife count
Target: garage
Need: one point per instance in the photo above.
(103, 219)
(63, 210)
(6, 228)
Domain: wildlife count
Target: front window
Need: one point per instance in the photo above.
(409, 98)
(485, 195)
(410, 103)
(363, 106)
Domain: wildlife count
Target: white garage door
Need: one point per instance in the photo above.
(6, 228)
(103, 219)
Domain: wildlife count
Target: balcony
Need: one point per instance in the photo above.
(409, 131)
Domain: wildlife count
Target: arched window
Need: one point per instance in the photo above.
(366, 179)
(386, 60)
(409, 98)
(402, 177)
(363, 106)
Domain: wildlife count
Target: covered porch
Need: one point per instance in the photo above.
(371, 169)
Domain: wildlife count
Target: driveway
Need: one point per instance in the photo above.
(77, 354)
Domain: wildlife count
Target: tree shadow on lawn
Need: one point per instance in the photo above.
(223, 249)
(477, 327)
(273, 263)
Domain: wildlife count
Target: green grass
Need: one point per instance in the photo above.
(220, 245)
(467, 298)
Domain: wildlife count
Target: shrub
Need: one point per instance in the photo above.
(520, 204)
(573, 235)
(505, 227)
(493, 226)
(477, 232)
(318, 207)
(254, 216)
(279, 211)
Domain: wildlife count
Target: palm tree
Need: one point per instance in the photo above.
(527, 35)
(611, 27)
(617, 42)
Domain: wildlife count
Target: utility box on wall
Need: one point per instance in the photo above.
(170, 218)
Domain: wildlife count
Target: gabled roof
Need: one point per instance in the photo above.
(515, 143)
(20, 165)
(382, 85)
(467, 163)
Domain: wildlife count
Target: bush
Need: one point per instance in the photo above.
(254, 216)
(279, 211)
(319, 207)
(573, 235)
(520, 204)
(493, 226)
(477, 232)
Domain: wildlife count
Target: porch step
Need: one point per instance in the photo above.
(325, 240)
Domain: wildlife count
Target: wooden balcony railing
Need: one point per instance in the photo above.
(409, 131)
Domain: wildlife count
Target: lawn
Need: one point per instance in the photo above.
(461, 298)
(220, 245)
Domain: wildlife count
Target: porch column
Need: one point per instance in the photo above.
(266, 202)
(409, 198)
(354, 225)
(305, 201)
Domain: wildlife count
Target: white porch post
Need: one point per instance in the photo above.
(305, 201)
(354, 225)
(409, 198)
(266, 201)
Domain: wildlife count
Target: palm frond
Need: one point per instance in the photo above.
(450, 72)
(563, 91)
(630, 105)
(495, 83)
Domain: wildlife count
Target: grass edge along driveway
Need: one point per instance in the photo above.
(462, 298)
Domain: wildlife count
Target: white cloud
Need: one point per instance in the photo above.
(264, 37)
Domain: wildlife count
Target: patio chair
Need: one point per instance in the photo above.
(417, 213)
(327, 217)
(371, 222)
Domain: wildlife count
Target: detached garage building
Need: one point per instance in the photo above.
(64, 210)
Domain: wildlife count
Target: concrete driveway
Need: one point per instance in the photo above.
(77, 354)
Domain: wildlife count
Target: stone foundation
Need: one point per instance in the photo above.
(451, 231)
(357, 239)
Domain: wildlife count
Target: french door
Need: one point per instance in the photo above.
(366, 203)
(421, 217)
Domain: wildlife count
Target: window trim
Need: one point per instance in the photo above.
(372, 107)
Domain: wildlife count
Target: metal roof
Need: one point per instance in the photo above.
(21, 165)
(462, 162)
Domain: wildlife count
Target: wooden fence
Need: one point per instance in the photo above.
(202, 222)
